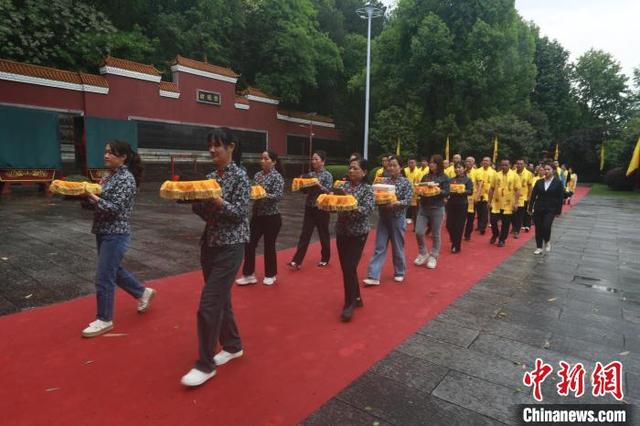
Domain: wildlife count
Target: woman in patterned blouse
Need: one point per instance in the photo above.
(352, 229)
(112, 210)
(221, 253)
(265, 221)
(391, 226)
(313, 216)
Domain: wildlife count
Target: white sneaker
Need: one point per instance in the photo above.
(409, 221)
(421, 259)
(250, 279)
(371, 281)
(538, 251)
(97, 328)
(224, 357)
(196, 377)
(398, 278)
(547, 247)
(144, 303)
(432, 262)
(269, 280)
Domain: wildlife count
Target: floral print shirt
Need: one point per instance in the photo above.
(404, 193)
(356, 222)
(228, 224)
(273, 184)
(113, 209)
(326, 181)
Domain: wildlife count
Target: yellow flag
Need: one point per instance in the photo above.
(602, 156)
(495, 149)
(557, 154)
(635, 159)
(446, 150)
(398, 147)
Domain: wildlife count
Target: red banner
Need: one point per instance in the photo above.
(27, 175)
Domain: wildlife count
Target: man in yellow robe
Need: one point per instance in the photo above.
(504, 196)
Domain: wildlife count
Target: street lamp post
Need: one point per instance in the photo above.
(368, 12)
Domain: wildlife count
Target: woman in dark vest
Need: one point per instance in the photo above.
(546, 202)
(457, 206)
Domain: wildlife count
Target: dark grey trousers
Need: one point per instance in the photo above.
(215, 315)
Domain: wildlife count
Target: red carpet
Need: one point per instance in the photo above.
(298, 353)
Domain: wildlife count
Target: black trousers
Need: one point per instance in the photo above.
(216, 321)
(468, 228)
(314, 218)
(456, 218)
(269, 226)
(482, 209)
(543, 221)
(521, 218)
(526, 222)
(505, 219)
(350, 251)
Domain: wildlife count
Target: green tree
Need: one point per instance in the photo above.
(287, 54)
(393, 124)
(58, 33)
(516, 138)
(552, 94)
(602, 90)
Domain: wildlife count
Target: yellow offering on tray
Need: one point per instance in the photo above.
(257, 192)
(384, 194)
(457, 188)
(427, 190)
(379, 179)
(190, 190)
(339, 183)
(299, 183)
(336, 203)
(74, 189)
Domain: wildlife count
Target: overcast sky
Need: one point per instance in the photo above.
(610, 25)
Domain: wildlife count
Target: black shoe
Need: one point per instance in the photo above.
(322, 264)
(347, 313)
(526, 229)
(483, 231)
(359, 303)
(493, 240)
(467, 238)
(454, 250)
(500, 243)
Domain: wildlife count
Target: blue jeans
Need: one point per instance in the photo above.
(111, 250)
(389, 229)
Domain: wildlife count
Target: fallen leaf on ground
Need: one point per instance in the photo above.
(553, 299)
(28, 296)
(501, 315)
(4, 258)
(52, 389)
(625, 353)
(115, 334)
(547, 344)
(88, 362)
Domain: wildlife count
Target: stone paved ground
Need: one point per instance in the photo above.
(47, 253)
(581, 303)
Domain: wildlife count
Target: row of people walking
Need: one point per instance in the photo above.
(230, 239)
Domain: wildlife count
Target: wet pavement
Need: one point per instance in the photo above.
(48, 253)
(580, 303)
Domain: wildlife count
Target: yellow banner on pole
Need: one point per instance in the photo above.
(634, 164)
(495, 149)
